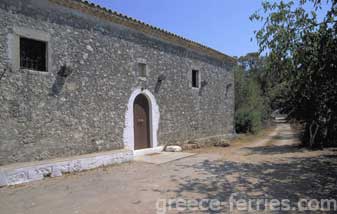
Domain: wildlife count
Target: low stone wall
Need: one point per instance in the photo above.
(27, 172)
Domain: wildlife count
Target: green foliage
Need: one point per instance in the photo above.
(302, 55)
(251, 109)
(248, 121)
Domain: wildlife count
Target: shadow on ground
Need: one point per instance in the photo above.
(285, 137)
(299, 178)
(274, 149)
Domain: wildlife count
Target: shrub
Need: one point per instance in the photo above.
(251, 108)
(248, 121)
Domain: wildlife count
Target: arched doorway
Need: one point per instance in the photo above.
(141, 123)
(153, 115)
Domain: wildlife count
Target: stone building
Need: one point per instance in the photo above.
(94, 87)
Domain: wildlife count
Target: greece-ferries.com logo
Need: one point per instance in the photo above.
(235, 203)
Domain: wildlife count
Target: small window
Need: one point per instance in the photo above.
(142, 70)
(33, 54)
(195, 78)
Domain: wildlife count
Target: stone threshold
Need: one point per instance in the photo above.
(143, 152)
(19, 173)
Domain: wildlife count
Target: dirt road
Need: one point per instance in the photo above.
(272, 167)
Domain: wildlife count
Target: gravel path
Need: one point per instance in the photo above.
(272, 167)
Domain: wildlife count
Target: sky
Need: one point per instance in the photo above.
(223, 25)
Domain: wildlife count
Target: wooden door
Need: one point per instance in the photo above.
(141, 122)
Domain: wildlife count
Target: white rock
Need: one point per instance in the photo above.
(173, 149)
(90, 48)
(85, 56)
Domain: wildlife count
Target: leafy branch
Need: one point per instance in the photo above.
(302, 55)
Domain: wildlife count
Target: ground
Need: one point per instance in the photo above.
(271, 166)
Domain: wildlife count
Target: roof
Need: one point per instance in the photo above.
(118, 18)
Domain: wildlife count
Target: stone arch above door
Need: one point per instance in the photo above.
(154, 116)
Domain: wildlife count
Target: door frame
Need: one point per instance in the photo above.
(154, 116)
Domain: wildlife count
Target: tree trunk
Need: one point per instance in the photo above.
(312, 132)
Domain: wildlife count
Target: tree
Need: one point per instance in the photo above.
(251, 109)
(302, 51)
(250, 61)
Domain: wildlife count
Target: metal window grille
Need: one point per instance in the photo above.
(33, 54)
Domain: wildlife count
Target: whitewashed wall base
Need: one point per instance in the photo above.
(27, 172)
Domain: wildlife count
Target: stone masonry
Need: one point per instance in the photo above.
(44, 115)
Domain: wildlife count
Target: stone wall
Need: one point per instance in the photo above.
(44, 116)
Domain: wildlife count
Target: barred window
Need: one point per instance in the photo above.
(33, 54)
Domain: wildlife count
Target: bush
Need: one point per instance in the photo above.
(248, 121)
(251, 108)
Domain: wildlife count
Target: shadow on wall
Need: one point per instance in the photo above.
(299, 178)
(5, 70)
(61, 77)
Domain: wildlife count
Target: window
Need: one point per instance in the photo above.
(195, 78)
(33, 54)
(142, 70)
